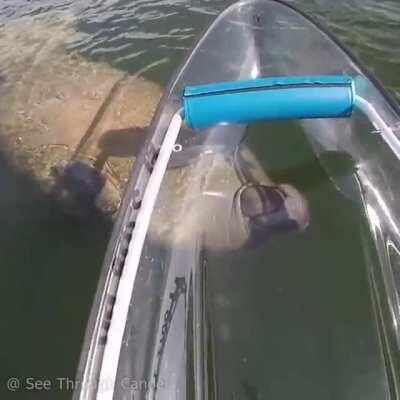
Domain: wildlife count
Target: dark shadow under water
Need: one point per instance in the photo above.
(51, 262)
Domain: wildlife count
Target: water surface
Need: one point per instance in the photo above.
(51, 261)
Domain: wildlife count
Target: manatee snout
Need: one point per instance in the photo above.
(77, 187)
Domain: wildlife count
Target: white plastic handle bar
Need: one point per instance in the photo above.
(116, 330)
(385, 130)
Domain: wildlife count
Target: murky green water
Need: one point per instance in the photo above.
(51, 261)
(309, 330)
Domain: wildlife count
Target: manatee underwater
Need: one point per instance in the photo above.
(226, 200)
(75, 125)
(58, 108)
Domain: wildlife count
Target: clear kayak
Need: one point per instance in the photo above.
(256, 251)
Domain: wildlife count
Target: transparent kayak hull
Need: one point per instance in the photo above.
(178, 334)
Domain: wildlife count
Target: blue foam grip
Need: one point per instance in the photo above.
(266, 99)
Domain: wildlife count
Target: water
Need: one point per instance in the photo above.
(132, 34)
(309, 331)
(53, 260)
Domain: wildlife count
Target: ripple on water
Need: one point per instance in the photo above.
(370, 29)
(131, 34)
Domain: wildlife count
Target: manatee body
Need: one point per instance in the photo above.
(208, 201)
(75, 125)
(58, 107)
